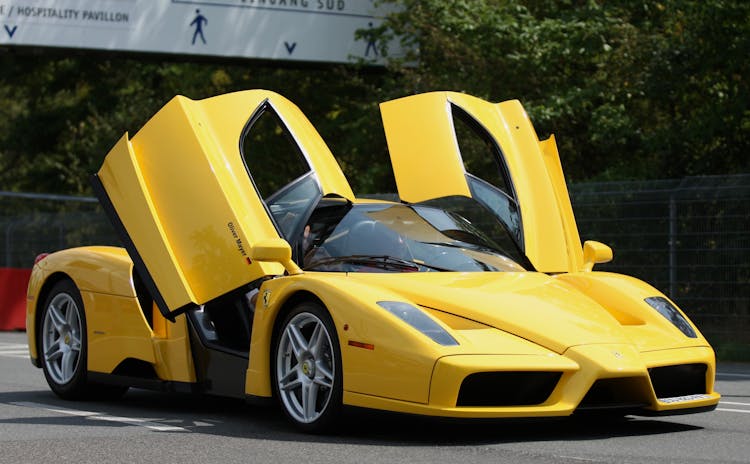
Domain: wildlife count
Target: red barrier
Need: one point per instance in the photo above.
(13, 283)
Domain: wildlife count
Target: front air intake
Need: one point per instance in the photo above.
(489, 389)
(679, 380)
(616, 393)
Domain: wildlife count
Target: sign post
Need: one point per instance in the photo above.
(298, 30)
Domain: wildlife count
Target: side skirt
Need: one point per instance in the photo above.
(146, 384)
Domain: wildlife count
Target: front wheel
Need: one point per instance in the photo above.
(307, 368)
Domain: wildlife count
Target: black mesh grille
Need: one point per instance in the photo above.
(680, 380)
(622, 392)
(507, 388)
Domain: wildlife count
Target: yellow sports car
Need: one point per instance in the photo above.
(251, 270)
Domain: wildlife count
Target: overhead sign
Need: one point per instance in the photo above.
(303, 30)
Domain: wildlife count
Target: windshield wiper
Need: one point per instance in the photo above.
(383, 261)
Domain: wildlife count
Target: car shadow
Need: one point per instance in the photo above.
(235, 418)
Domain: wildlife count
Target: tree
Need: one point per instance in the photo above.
(632, 89)
(60, 115)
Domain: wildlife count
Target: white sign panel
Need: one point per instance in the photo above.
(304, 30)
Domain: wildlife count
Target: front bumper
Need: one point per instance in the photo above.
(585, 377)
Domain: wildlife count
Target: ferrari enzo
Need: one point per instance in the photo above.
(249, 269)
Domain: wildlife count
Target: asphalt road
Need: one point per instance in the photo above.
(37, 427)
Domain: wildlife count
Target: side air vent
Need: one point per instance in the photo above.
(679, 380)
(507, 388)
(131, 367)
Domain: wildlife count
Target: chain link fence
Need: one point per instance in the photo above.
(688, 237)
(31, 224)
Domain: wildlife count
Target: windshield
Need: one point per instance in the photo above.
(448, 234)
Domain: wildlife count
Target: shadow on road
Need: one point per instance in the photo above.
(234, 418)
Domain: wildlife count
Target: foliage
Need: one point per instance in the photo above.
(59, 115)
(632, 89)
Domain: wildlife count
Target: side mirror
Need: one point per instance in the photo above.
(595, 253)
(275, 250)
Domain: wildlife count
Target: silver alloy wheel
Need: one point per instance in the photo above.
(305, 367)
(61, 338)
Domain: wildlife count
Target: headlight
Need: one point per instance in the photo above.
(668, 310)
(419, 320)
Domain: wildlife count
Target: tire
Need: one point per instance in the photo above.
(62, 341)
(306, 368)
(63, 346)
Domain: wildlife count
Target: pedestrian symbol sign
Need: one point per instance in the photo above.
(199, 22)
(306, 30)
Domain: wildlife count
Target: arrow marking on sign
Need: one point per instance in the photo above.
(12, 30)
(289, 47)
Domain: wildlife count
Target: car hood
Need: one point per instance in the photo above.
(534, 306)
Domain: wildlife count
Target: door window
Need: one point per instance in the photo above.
(281, 174)
(271, 154)
(486, 172)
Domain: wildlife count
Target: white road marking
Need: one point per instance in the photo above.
(726, 374)
(735, 403)
(14, 354)
(146, 423)
(14, 350)
(746, 411)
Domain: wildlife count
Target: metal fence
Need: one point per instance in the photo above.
(687, 237)
(31, 224)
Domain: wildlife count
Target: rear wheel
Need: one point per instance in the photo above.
(63, 346)
(62, 339)
(307, 368)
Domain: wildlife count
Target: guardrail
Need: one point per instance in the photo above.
(687, 237)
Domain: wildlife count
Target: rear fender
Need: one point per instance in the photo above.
(92, 269)
(117, 328)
